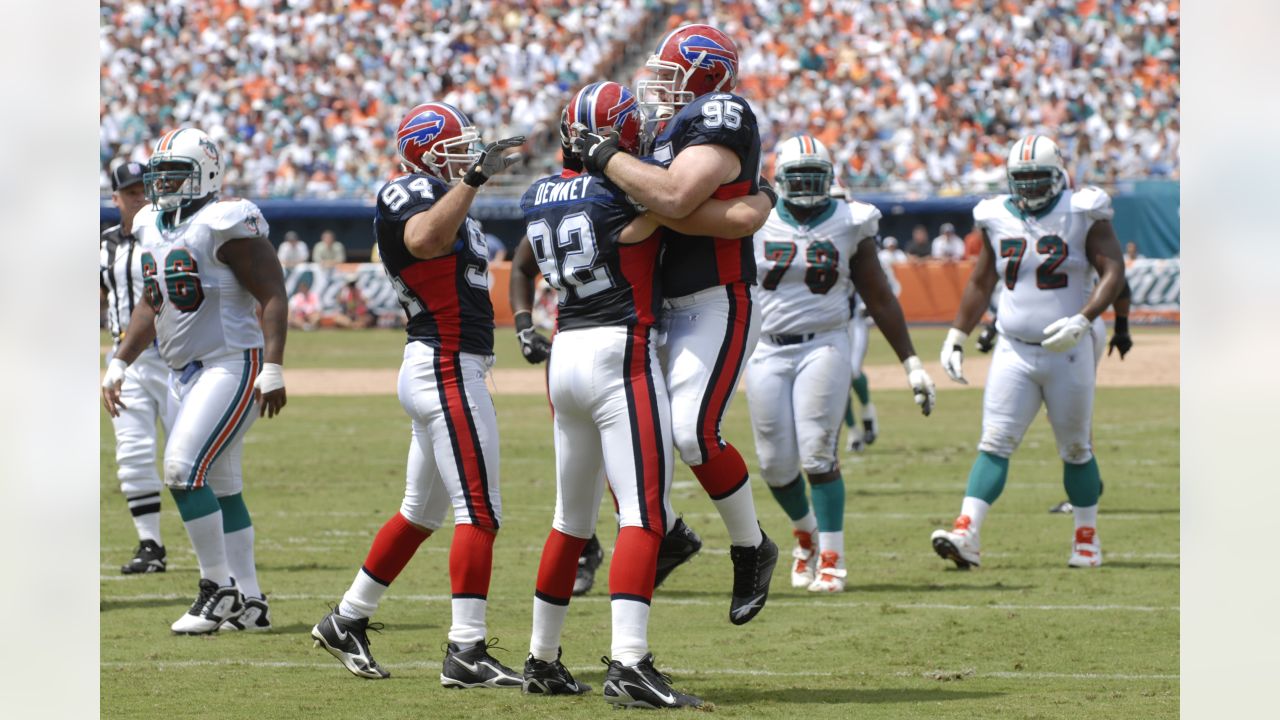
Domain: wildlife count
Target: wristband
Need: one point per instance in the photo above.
(271, 377)
(1122, 325)
(523, 320)
(912, 364)
(474, 178)
(955, 338)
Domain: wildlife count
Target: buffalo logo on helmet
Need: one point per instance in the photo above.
(421, 129)
(703, 52)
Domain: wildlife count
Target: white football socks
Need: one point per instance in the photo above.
(1086, 516)
(832, 542)
(211, 550)
(976, 509)
(548, 623)
(630, 631)
(362, 598)
(148, 523)
(239, 545)
(468, 621)
(738, 511)
(807, 524)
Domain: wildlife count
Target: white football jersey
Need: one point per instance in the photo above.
(803, 270)
(1040, 258)
(202, 309)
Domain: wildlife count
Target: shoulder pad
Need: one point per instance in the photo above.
(864, 218)
(1093, 202)
(233, 219)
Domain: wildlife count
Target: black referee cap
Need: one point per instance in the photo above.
(126, 174)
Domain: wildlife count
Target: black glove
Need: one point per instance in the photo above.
(767, 190)
(987, 339)
(595, 149)
(1120, 339)
(533, 345)
(492, 161)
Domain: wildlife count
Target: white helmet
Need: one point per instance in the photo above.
(1037, 175)
(185, 166)
(802, 171)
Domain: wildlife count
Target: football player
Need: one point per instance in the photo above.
(810, 254)
(708, 145)
(435, 255)
(1041, 241)
(145, 390)
(611, 410)
(206, 266)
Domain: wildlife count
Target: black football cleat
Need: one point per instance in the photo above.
(550, 678)
(642, 686)
(474, 667)
(148, 558)
(752, 571)
(590, 559)
(677, 547)
(347, 639)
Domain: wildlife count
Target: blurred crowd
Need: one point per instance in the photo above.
(304, 94)
(926, 95)
(911, 96)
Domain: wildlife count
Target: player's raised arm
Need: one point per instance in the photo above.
(882, 305)
(431, 234)
(142, 332)
(254, 263)
(973, 303)
(520, 293)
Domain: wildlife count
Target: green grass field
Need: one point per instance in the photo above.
(1023, 637)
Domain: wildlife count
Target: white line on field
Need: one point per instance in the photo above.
(432, 665)
(701, 602)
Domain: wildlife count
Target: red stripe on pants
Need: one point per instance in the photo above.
(646, 430)
(635, 561)
(469, 451)
(726, 374)
(471, 560)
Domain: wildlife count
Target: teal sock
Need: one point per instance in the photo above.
(861, 390)
(792, 498)
(849, 419)
(1083, 483)
(986, 479)
(828, 505)
(195, 504)
(235, 516)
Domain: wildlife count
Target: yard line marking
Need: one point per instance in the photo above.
(700, 601)
(433, 665)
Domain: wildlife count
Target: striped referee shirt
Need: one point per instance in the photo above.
(120, 274)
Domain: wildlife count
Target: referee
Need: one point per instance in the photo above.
(145, 389)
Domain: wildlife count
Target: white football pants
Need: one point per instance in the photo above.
(145, 393)
(453, 455)
(213, 410)
(797, 394)
(612, 420)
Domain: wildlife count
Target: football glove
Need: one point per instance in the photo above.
(533, 345)
(921, 384)
(953, 355)
(595, 149)
(987, 339)
(492, 161)
(1062, 334)
(1120, 339)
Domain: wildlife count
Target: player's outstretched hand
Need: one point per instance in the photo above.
(1120, 339)
(595, 149)
(533, 345)
(1062, 334)
(268, 390)
(111, 383)
(922, 387)
(492, 161)
(953, 355)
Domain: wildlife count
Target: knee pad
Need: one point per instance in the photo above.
(998, 443)
(684, 435)
(177, 473)
(1076, 453)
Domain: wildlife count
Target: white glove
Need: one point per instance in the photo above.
(1063, 333)
(921, 384)
(953, 355)
(115, 373)
(271, 377)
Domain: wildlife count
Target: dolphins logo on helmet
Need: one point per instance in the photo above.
(436, 138)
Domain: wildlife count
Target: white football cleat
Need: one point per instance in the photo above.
(1086, 551)
(213, 606)
(830, 575)
(256, 617)
(802, 571)
(958, 544)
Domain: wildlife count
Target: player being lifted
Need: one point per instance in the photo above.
(435, 256)
(207, 264)
(612, 413)
(708, 146)
(810, 253)
(1041, 240)
(145, 390)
